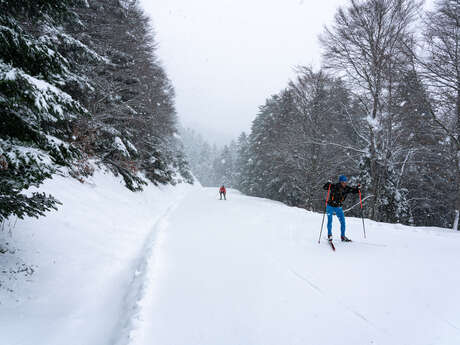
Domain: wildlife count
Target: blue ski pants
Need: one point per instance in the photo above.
(339, 213)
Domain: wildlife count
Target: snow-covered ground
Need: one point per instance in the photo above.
(179, 267)
(74, 267)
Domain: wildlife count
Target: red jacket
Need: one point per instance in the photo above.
(222, 190)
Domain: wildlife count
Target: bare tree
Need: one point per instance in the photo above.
(367, 46)
(324, 107)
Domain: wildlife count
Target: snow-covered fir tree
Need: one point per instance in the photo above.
(134, 123)
(78, 81)
(37, 112)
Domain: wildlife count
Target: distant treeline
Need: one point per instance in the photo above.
(80, 81)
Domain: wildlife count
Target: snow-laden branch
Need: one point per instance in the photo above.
(338, 145)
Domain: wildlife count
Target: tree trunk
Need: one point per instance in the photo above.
(457, 212)
(457, 201)
(374, 161)
(457, 156)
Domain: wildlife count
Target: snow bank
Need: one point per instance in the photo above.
(65, 277)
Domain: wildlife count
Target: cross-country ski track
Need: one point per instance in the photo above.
(250, 271)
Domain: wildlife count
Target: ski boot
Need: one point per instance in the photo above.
(329, 238)
(345, 239)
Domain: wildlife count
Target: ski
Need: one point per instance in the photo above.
(332, 245)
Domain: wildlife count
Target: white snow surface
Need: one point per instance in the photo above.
(177, 266)
(84, 259)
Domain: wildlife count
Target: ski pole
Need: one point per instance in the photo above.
(324, 214)
(362, 216)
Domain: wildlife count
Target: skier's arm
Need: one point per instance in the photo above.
(354, 190)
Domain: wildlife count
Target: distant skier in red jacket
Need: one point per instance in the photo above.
(223, 191)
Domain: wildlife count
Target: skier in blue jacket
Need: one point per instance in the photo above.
(337, 195)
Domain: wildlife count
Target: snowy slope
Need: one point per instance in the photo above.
(250, 271)
(179, 267)
(84, 258)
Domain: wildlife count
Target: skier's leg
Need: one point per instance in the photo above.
(341, 216)
(225, 196)
(330, 212)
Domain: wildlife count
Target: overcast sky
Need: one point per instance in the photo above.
(225, 57)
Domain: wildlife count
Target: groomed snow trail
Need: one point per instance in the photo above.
(79, 287)
(250, 271)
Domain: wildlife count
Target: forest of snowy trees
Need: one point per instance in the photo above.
(212, 165)
(80, 84)
(384, 109)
